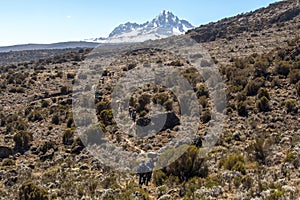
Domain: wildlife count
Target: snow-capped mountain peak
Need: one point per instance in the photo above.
(164, 25)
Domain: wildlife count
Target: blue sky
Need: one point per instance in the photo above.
(47, 21)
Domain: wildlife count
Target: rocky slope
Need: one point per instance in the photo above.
(256, 157)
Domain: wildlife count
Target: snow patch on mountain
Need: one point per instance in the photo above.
(166, 24)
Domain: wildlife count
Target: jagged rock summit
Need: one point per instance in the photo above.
(166, 24)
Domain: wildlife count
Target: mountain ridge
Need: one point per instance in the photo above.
(164, 25)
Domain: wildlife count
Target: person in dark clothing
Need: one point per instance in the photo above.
(134, 115)
(130, 112)
(142, 173)
(150, 166)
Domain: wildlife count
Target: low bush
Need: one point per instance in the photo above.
(8, 162)
(235, 162)
(68, 137)
(290, 106)
(206, 116)
(253, 86)
(22, 140)
(294, 76)
(242, 109)
(263, 104)
(45, 103)
(35, 116)
(189, 165)
(30, 191)
(263, 92)
(160, 98)
(159, 177)
(202, 91)
(260, 149)
(298, 88)
(55, 120)
(283, 68)
(168, 105)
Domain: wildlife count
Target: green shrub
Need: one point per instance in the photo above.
(239, 166)
(107, 117)
(55, 120)
(242, 109)
(176, 63)
(261, 67)
(290, 105)
(20, 125)
(22, 140)
(253, 86)
(129, 190)
(290, 157)
(262, 92)
(17, 90)
(110, 182)
(294, 76)
(298, 88)
(234, 162)
(276, 194)
(102, 105)
(29, 191)
(159, 177)
(168, 105)
(45, 104)
(64, 90)
(190, 188)
(143, 113)
(160, 98)
(202, 91)
(247, 182)
(8, 162)
(206, 116)
(68, 137)
(260, 150)
(203, 101)
(241, 96)
(283, 68)
(189, 165)
(263, 104)
(70, 122)
(35, 116)
(143, 100)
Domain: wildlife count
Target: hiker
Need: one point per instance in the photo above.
(150, 166)
(142, 173)
(102, 80)
(130, 112)
(134, 115)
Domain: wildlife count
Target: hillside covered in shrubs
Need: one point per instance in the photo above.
(256, 156)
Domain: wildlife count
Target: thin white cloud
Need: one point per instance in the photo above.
(69, 16)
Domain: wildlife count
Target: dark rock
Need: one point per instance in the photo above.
(172, 121)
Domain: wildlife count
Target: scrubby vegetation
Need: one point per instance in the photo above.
(256, 152)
